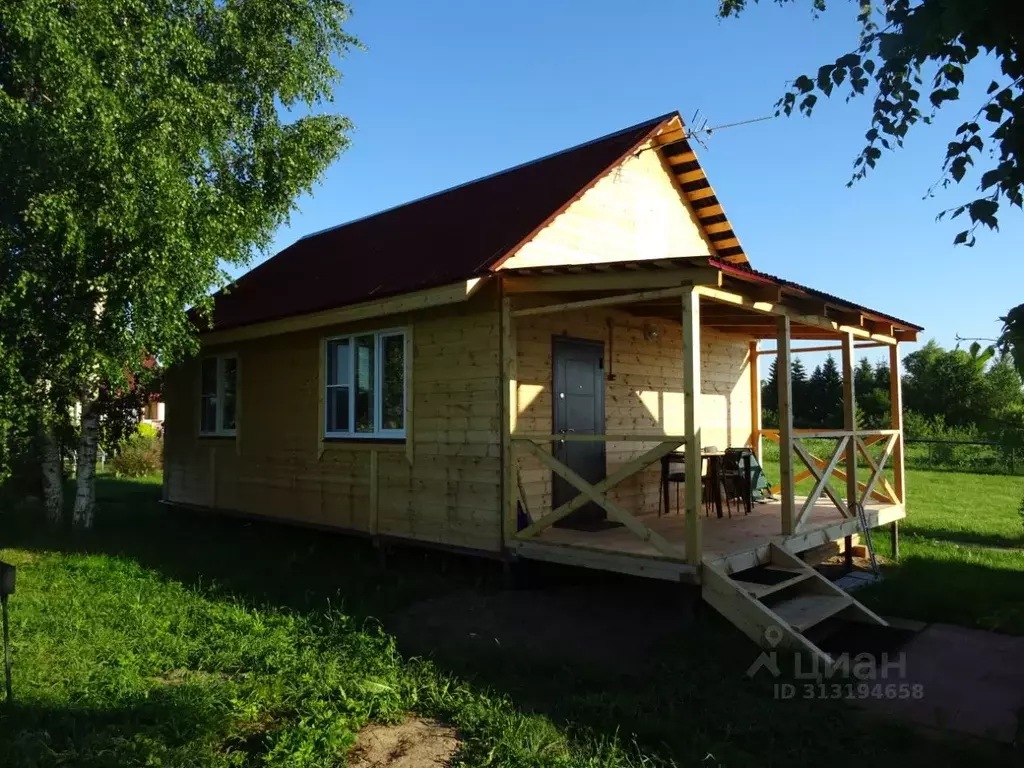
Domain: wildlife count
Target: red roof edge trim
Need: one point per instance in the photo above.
(744, 273)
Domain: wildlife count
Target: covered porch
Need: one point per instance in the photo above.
(701, 306)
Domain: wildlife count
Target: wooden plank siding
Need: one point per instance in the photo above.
(448, 495)
(643, 393)
(635, 212)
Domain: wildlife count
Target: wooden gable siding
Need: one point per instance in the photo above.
(643, 392)
(449, 495)
(634, 212)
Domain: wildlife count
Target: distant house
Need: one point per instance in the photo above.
(511, 367)
(153, 411)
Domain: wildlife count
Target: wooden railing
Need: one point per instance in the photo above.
(536, 445)
(823, 470)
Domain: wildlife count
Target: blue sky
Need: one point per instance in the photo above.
(449, 91)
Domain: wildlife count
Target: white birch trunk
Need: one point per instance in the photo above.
(53, 477)
(85, 468)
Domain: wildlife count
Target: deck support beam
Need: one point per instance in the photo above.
(785, 377)
(755, 402)
(510, 413)
(896, 422)
(604, 301)
(691, 418)
(850, 425)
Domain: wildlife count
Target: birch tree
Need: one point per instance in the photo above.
(145, 147)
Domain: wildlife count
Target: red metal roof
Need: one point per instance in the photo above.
(450, 236)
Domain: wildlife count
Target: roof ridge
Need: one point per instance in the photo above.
(652, 122)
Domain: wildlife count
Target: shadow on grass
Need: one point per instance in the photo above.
(169, 724)
(942, 588)
(993, 540)
(597, 654)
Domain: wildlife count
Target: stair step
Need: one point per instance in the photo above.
(784, 568)
(763, 590)
(804, 611)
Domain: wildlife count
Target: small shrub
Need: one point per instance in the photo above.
(140, 455)
(148, 430)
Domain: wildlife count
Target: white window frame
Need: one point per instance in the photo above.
(218, 400)
(378, 386)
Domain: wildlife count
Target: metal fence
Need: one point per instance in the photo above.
(982, 456)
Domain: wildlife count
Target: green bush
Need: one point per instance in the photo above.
(148, 430)
(140, 455)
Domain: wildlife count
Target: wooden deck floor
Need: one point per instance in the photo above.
(736, 538)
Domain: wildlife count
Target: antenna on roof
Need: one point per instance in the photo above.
(958, 337)
(693, 132)
(698, 130)
(699, 126)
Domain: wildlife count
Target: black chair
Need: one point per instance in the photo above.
(737, 477)
(679, 478)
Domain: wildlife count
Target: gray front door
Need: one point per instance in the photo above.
(578, 387)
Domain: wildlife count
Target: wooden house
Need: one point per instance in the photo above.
(479, 368)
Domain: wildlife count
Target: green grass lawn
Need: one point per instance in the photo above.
(961, 551)
(169, 639)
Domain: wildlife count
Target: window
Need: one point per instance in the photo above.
(365, 389)
(219, 395)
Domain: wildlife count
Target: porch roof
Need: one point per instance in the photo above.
(745, 281)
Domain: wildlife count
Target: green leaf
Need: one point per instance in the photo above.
(983, 212)
(940, 95)
(993, 113)
(825, 78)
(804, 84)
(848, 61)
(992, 177)
(808, 102)
(958, 168)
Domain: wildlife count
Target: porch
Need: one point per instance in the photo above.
(739, 542)
(703, 303)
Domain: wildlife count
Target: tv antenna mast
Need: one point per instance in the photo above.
(698, 130)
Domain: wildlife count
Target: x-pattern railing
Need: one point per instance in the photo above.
(598, 492)
(823, 470)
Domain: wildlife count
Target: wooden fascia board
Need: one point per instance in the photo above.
(408, 302)
(666, 278)
(769, 308)
(603, 301)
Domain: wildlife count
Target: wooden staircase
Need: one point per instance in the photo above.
(780, 602)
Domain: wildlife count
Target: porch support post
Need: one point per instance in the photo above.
(785, 377)
(850, 425)
(510, 414)
(896, 422)
(691, 417)
(755, 401)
